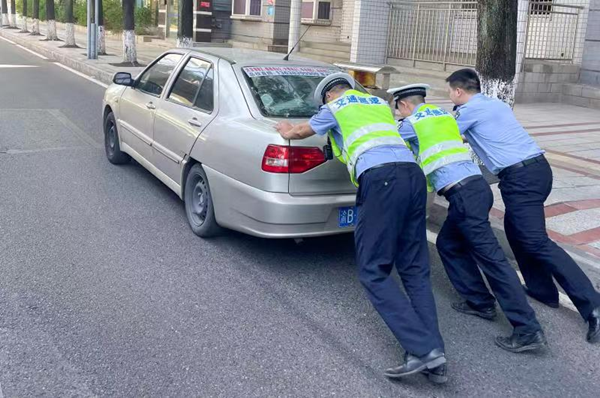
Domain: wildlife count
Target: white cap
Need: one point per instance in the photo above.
(329, 82)
(409, 90)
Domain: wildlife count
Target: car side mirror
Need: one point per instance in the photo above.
(123, 79)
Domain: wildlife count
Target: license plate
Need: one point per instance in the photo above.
(347, 217)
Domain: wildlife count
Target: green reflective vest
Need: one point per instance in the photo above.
(366, 122)
(440, 142)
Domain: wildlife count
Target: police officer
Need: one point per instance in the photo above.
(391, 202)
(466, 239)
(525, 182)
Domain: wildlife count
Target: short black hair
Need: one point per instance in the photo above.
(413, 99)
(467, 79)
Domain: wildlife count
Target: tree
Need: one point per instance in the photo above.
(50, 21)
(129, 50)
(5, 21)
(24, 17)
(101, 31)
(70, 24)
(497, 48)
(185, 29)
(35, 29)
(13, 14)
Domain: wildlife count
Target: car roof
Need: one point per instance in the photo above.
(245, 57)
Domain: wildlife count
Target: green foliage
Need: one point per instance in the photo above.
(113, 14)
(143, 20)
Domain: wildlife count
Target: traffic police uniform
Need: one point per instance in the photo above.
(508, 151)
(466, 239)
(391, 203)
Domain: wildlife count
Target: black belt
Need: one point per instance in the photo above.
(385, 165)
(453, 188)
(526, 162)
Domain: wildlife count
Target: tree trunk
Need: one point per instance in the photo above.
(70, 24)
(129, 50)
(101, 32)
(13, 14)
(51, 21)
(497, 48)
(5, 21)
(35, 29)
(185, 31)
(24, 17)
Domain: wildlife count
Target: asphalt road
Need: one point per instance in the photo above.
(104, 290)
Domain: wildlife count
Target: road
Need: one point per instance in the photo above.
(104, 290)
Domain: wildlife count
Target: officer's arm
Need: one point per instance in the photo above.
(466, 117)
(290, 131)
(408, 134)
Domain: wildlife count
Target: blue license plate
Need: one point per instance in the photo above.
(347, 216)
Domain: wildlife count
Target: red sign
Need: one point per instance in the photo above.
(205, 4)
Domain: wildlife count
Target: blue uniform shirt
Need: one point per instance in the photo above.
(494, 133)
(324, 121)
(445, 175)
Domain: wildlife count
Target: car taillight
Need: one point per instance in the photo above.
(286, 159)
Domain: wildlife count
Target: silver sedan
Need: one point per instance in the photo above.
(202, 122)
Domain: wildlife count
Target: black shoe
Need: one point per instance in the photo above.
(413, 364)
(437, 375)
(465, 308)
(522, 342)
(593, 335)
(551, 304)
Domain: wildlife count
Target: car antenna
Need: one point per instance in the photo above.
(287, 56)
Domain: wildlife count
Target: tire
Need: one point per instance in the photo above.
(111, 142)
(199, 207)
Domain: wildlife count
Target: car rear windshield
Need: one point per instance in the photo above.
(286, 91)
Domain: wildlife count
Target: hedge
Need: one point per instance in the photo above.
(113, 14)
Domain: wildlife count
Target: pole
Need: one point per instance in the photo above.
(295, 24)
(96, 25)
(89, 29)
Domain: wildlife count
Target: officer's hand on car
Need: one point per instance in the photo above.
(283, 127)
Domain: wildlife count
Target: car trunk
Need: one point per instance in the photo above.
(328, 178)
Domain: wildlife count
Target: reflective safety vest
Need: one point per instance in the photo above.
(366, 122)
(440, 142)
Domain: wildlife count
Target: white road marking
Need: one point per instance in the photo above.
(17, 66)
(563, 299)
(81, 75)
(31, 52)
(10, 41)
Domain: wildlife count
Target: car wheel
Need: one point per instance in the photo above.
(111, 142)
(199, 205)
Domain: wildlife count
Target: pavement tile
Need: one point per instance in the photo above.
(575, 222)
(595, 244)
(569, 194)
(588, 236)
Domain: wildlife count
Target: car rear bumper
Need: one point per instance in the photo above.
(274, 215)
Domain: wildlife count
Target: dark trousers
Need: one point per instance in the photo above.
(465, 241)
(524, 191)
(391, 231)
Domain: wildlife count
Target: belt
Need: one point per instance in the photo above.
(453, 188)
(384, 165)
(526, 162)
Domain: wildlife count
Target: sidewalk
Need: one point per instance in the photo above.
(76, 58)
(569, 134)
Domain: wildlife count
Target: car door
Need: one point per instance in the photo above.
(182, 115)
(138, 105)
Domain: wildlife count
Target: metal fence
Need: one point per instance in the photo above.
(445, 32)
(440, 32)
(552, 31)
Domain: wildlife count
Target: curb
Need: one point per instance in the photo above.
(589, 264)
(53, 56)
